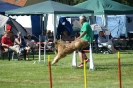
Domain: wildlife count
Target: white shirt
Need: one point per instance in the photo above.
(30, 43)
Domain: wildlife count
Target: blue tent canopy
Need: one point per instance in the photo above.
(6, 6)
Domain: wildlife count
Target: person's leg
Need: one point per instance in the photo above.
(85, 57)
(16, 49)
(80, 56)
(111, 47)
(27, 52)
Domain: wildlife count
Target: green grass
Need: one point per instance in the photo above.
(25, 74)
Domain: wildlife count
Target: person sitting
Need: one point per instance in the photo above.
(9, 45)
(30, 45)
(20, 41)
(43, 36)
(106, 43)
(66, 37)
(49, 36)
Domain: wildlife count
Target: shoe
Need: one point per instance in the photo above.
(106, 52)
(87, 60)
(81, 65)
(27, 58)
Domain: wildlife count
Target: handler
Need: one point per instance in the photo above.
(85, 34)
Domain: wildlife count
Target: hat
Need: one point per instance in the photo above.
(82, 17)
(29, 35)
(19, 33)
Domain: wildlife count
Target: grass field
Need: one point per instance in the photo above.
(25, 74)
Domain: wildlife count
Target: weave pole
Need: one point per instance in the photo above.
(50, 74)
(119, 71)
(91, 59)
(74, 59)
(39, 56)
(85, 75)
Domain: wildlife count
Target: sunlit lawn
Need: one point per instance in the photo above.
(26, 74)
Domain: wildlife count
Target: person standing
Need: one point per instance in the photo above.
(85, 34)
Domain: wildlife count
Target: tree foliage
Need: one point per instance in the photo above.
(70, 2)
(126, 2)
(74, 2)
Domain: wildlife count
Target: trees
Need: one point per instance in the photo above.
(126, 2)
(74, 2)
(69, 2)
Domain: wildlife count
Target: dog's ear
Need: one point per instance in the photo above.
(56, 42)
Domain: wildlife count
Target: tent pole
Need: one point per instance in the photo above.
(45, 21)
(40, 23)
(55, 27)
(93, 18)
(45, 25)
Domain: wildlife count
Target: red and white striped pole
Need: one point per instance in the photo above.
(119, 71)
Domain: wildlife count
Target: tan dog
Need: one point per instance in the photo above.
(64, 48)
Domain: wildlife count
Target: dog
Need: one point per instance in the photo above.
(64, 48)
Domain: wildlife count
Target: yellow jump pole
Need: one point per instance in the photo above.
(119, 71)
(85, 75)
(50, 74)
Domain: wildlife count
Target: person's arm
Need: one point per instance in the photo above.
(100, 40)
(83, 33)
(18, 42)
(5, 45)
(3, 40)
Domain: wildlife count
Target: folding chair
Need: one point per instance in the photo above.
(98, 47)
(3, 52)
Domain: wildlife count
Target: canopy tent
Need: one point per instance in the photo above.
(12, 25)
(16, 27)
(49, 7)
(6, 6)
(108, 7)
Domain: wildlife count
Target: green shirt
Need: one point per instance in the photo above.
(89, 34)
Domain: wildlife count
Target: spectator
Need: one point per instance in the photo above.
(30, 45)
(8, 44)
(20, 41)
(106, 43)
(43, 37)
(49, 36)
(66, 37)
(85, 34)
